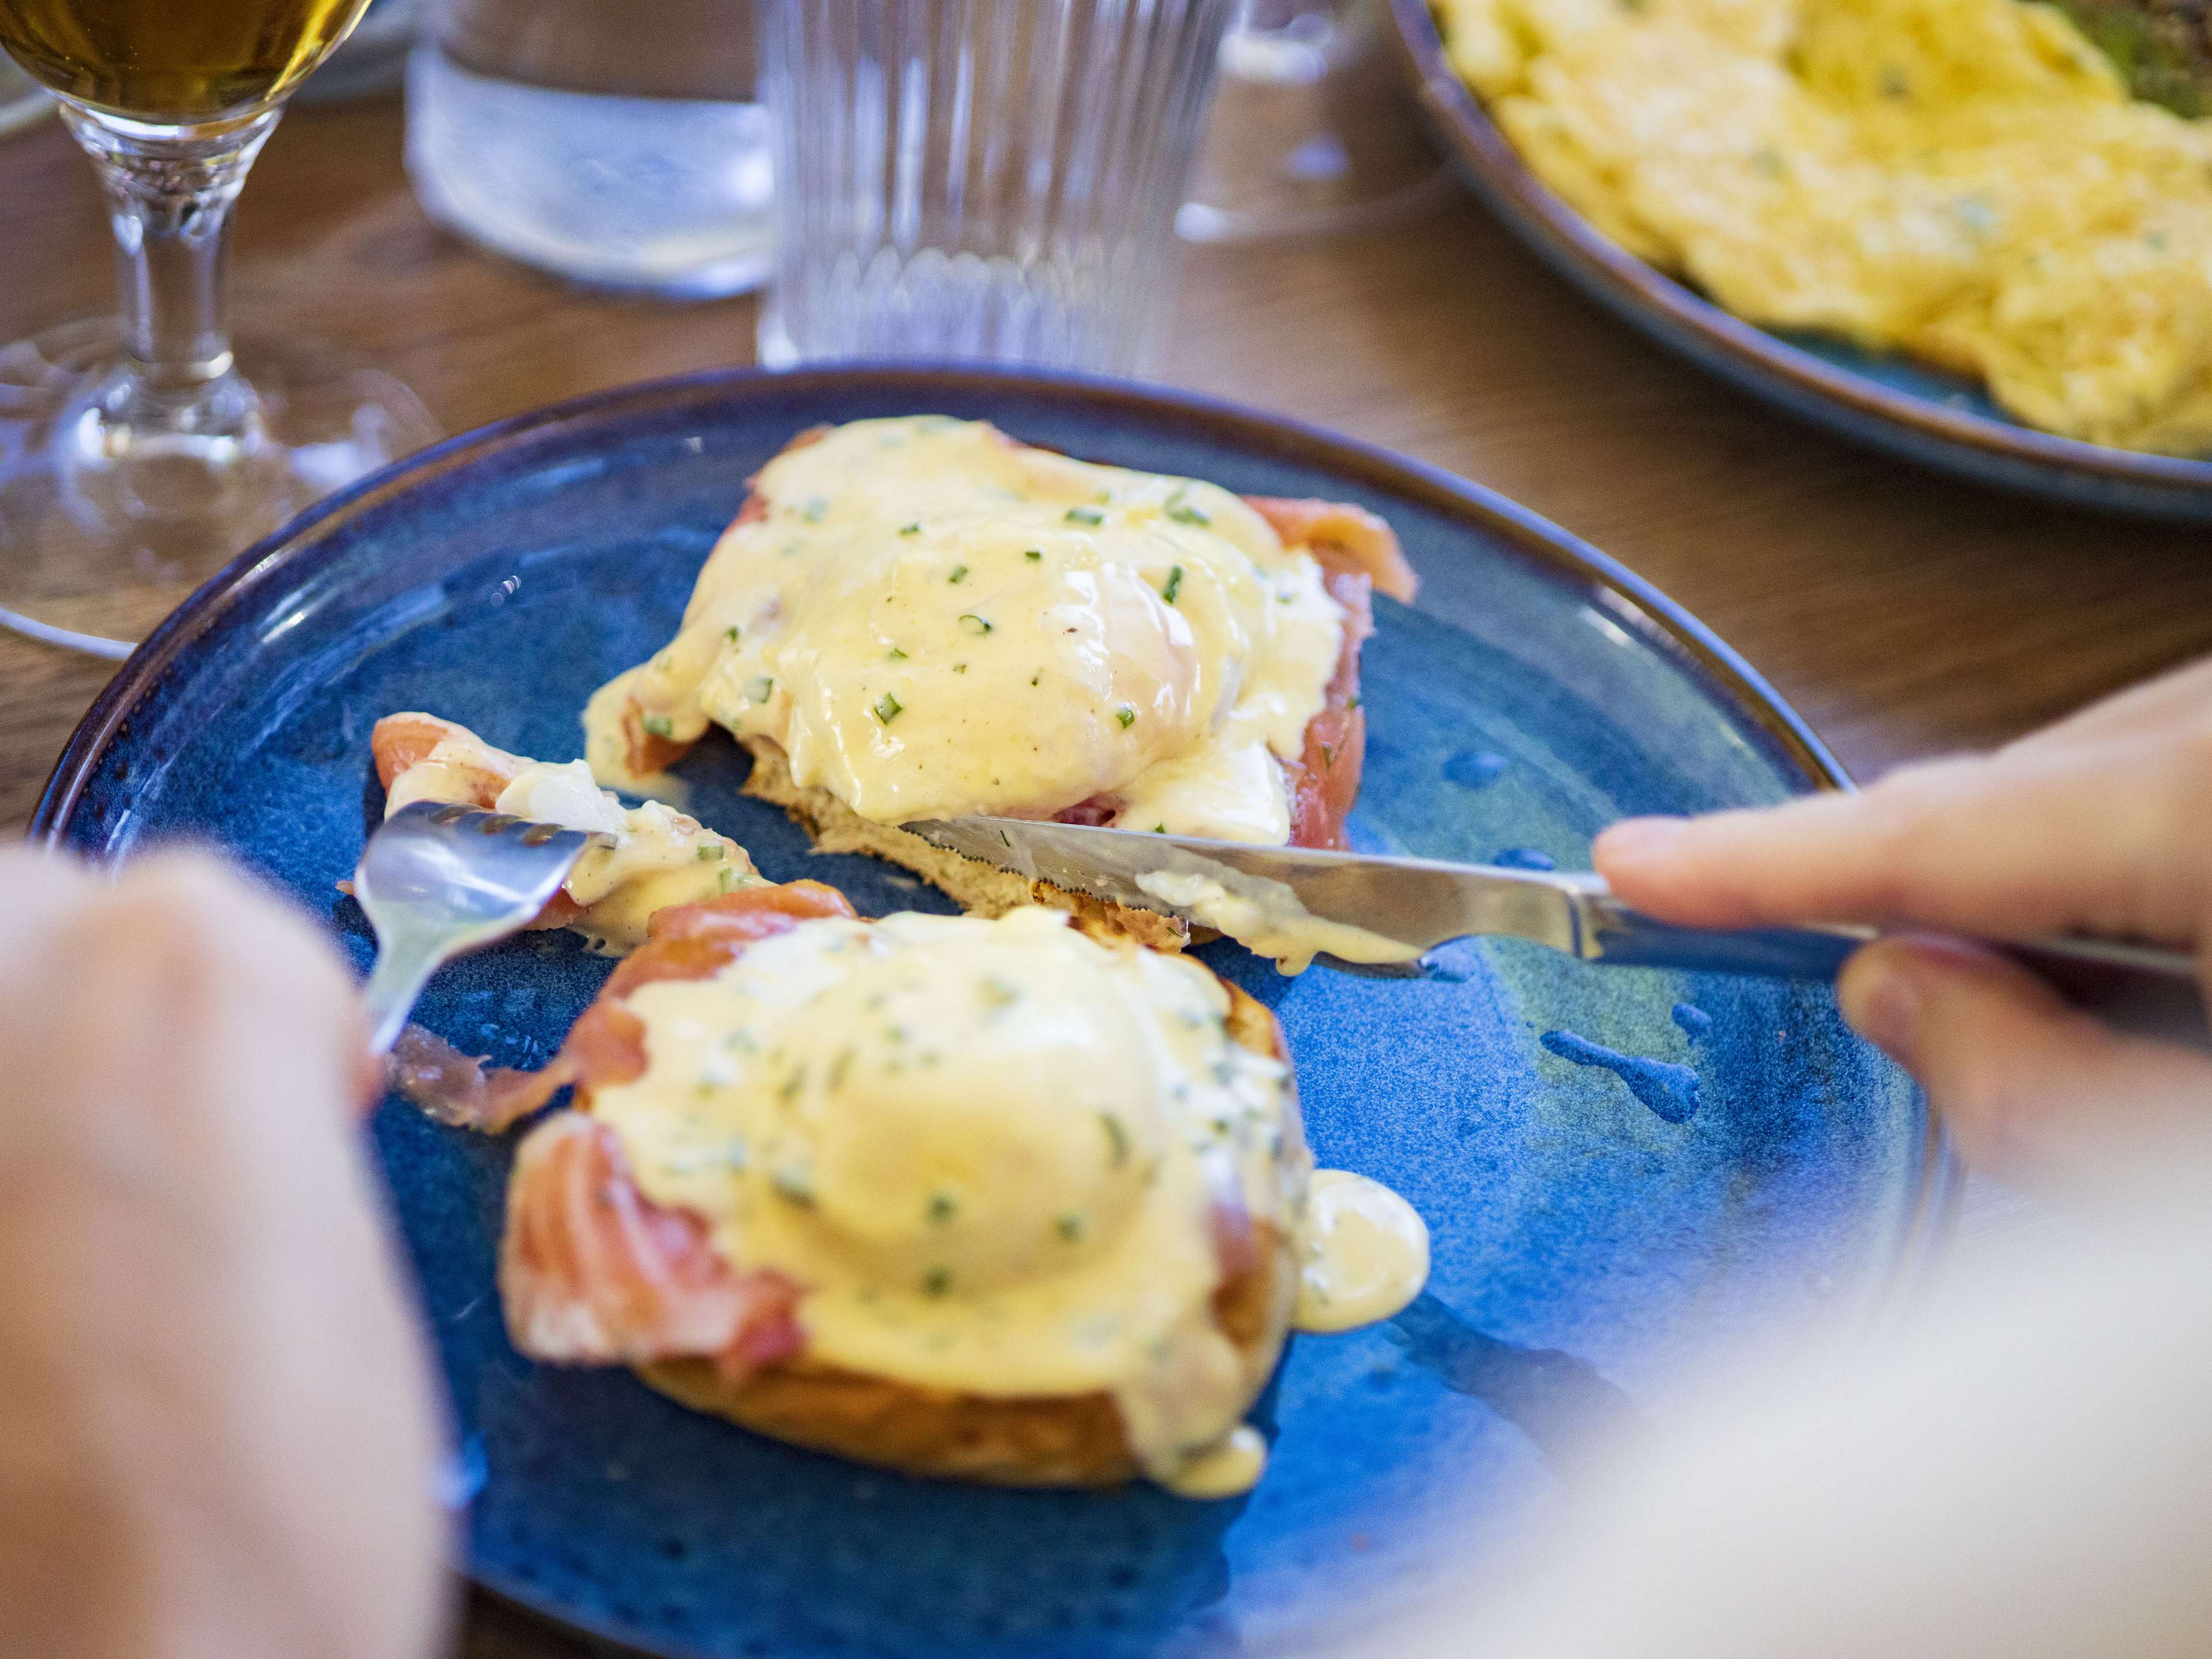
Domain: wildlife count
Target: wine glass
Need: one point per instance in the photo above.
(1312, 131)
(135, 457)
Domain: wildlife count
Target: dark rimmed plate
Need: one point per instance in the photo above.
(1896, 405)
(1589, 1235)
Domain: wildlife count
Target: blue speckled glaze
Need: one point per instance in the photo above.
(1669, 1090)
(1584, 1245)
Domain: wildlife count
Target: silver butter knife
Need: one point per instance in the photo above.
(1394, 911)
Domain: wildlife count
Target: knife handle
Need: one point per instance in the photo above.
(2137, 987)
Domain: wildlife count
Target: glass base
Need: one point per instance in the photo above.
(102, 536)
(1311, 135)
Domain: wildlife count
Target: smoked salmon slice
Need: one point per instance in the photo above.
(591, 1272)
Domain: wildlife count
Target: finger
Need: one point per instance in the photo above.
(2031, 1090)
(2176, 704)
(2107, 840)
(37, 888)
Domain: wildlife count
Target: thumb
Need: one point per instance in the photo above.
(2035, 1091)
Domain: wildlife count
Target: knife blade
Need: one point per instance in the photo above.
(1377, 914)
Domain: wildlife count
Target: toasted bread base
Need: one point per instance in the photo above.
(1073, 1440)
(980, 889)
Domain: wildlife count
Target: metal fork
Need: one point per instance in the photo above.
(436, 880)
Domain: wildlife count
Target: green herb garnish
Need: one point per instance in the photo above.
(896, 654)
(1033, 554)
(814, 509)
(1086, 515)
(937, 1281)
(659, 726)
(971, 623)
(1117, 1138)
(1071, 1227)
(793, 1186)
(731, 635)
(708, 853)
(959, 574)
(757, 689)
(941, 1206)
(1127, 715)
(1174, 586)
(909, 530)
(1184, 514)
(888, 708)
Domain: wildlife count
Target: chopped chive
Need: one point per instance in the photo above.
(1351, 701)
(910, 530)
(941, 1206)
(887, 707)
(793, 1085)
(1127, 715)
(973, 625)
(937, 1281)
(1071, 1227)
(838, 1068)
(814, 509)
(1035, 677)
(1086, 515)
(959, 667)
(731, 635)
(1175, 584)
(998, 993)
(896, 654)
(708, 853)
(959, 574)
(1160, 828)
(1033, 554)
(1328, 755)
(1005, 837)
(758, 688)
(1185, 514)
(794, 1186)
(1117, 1138)
(659, 726)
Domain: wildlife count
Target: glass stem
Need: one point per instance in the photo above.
(169, 197)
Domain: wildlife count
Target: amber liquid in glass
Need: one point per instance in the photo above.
(175, 62)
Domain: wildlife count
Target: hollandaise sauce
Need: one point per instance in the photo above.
(657, 856)
(997, 1155)
(931, 620)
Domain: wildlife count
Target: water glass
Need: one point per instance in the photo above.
(980, 178)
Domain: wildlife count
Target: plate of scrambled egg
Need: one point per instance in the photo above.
(1942, 226)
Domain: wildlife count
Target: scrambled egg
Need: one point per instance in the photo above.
(1964, 181)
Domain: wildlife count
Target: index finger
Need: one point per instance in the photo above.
(2111, 839)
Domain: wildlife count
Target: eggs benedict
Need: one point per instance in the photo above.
(921, 617)
(988, 1199)
(658, 857)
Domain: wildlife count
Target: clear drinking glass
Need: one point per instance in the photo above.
(980, 178)
(1313, 130)
(21, 100)
(580, 137)
(136, 455)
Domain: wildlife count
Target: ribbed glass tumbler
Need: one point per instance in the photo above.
(980, 178)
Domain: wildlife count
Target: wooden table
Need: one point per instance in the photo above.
(1900, 612)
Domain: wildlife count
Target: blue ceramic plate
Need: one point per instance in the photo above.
(1618, 1165)
(1923, 415)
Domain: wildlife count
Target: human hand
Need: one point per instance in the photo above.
(2101, 824)
(218, 1432)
